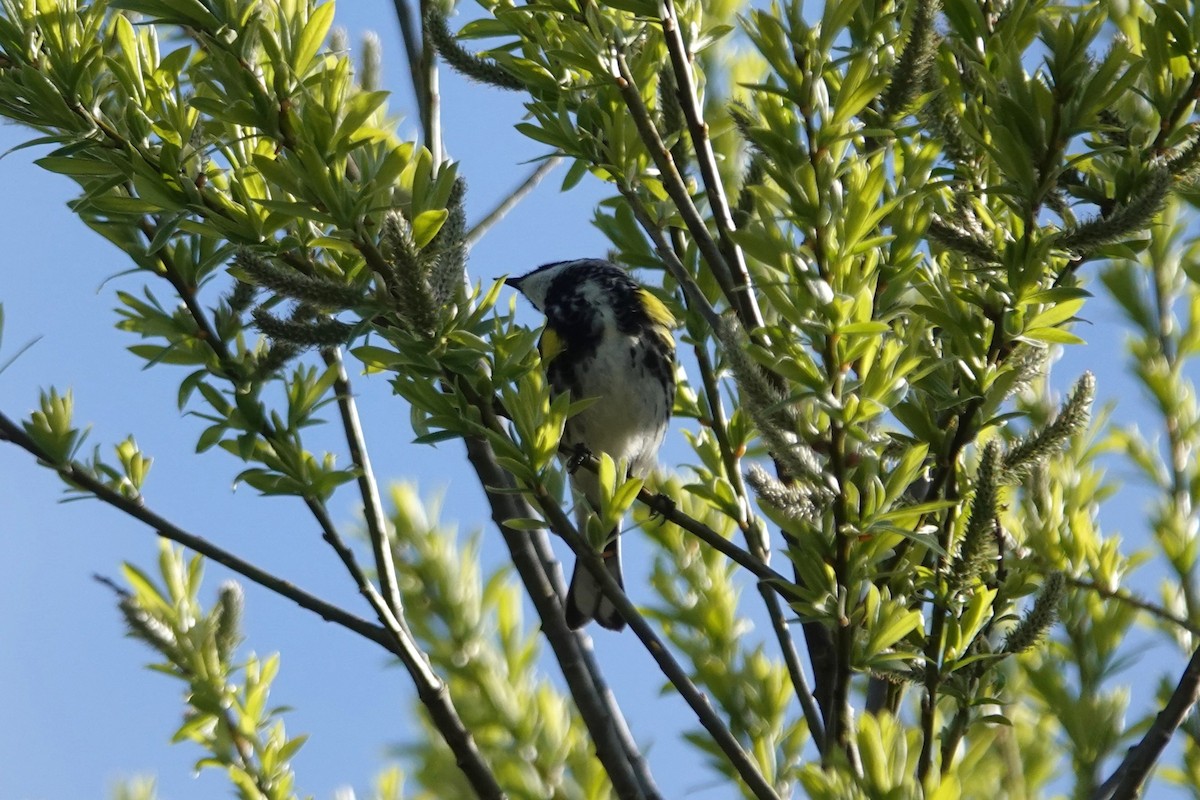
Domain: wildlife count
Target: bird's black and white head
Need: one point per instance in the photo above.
(561, 278)
(586, 296)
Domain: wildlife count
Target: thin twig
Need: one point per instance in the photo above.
(615, 747)
(747, 310)
(412, 49)
(207, 333)
(76, 475)
(791, 659)
(510, 201)
(1130, 599)
(368, 487)
(592, 562)
(838, 723)
(757, 539)
(743, 298)
(1179, 447)
(771, 583)
(695, 296)
(663, 506)
(431, 690)
(673, 182)
(394, 637)
(366, 588)
(431, 112)
(1128, 778)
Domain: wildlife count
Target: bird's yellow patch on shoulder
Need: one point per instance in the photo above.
(656, 309)
(550, 345)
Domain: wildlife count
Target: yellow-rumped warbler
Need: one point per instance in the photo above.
(608, 338)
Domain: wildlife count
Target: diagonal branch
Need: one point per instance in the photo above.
(368, 487)
(510, 202)
(674, 184)
(615, 747)
(695, 295)
(663, 506)
(743, 298)
(586, 555)
(394, 637)
(76, 475)
(756, 538)
(1133, 600)
(1128, 778)
(770, 580)
(593, 563)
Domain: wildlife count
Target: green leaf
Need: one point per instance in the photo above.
(312, 37)
(1051, 336)
(78, 167)
(356, 112)
(377, 359)
(426, 226)
(191, 12)
(437, 436)
(525, 524)
(867, 328)
(146, 592)
(574, 175)
(115, 204)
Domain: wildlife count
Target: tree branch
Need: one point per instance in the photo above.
(743, 298)
(1133, 600)
(592, 562)
(665, 507)
(695, 296)
(674, 184)
(615, 748)
(76, 475)
(510, 202)
(368, 487)
(410, 35)
(756, 538)
(431, 112)
(394, 637)
(1126, 781)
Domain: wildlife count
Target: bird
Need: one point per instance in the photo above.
(609, 338)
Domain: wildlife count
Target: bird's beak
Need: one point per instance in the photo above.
(513, 282)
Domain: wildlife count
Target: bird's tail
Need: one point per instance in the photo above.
(585, 600)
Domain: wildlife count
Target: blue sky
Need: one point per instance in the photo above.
(81, 712)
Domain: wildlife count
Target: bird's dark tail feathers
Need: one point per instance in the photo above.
(585, 600)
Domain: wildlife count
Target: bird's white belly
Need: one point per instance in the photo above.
(628, 418)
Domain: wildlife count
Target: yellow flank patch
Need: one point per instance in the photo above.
(667, 339)
(550, 345)
(656, 310)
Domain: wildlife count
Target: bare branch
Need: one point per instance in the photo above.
(368, 487)
(743, 298)
(510, 202)
(592, 562)
(394, 637)
(615, 748)
(1128, 778)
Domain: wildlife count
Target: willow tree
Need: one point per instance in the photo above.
(875, 221)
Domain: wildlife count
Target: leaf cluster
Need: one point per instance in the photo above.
(228, 715)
